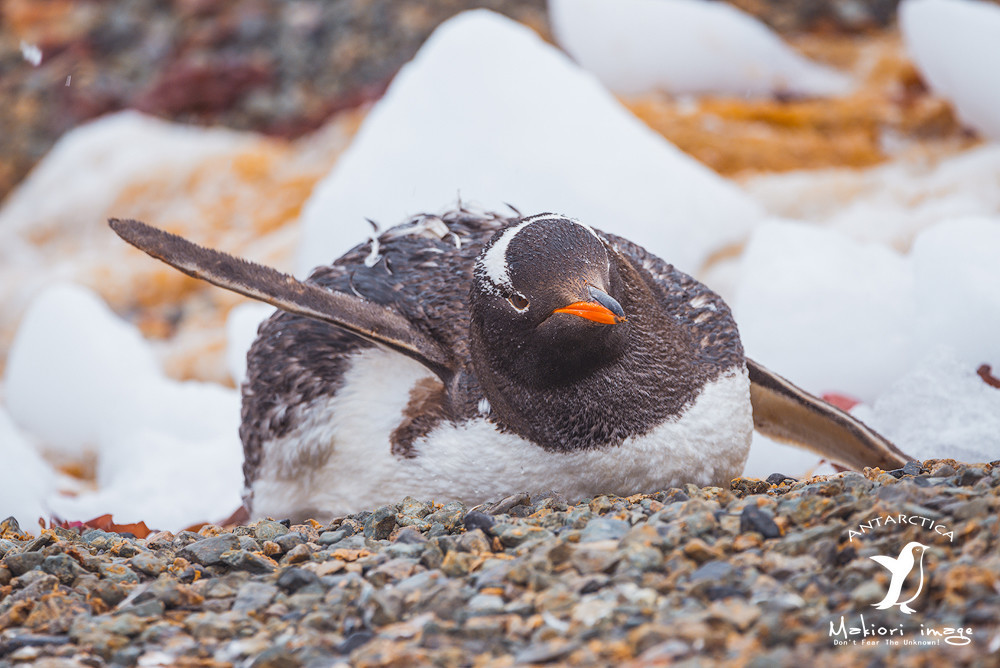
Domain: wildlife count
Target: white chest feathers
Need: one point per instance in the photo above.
(338, 460)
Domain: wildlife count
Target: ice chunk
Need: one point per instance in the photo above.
(768, 456)
(31, 53)
(79, 378)
(489, 112)
(827, 312)
(834, 314)
(86, 170)
(53, 226)
(891, 203)
(241, 330)
(167, 481)
(28, 479)
(75, 369)
(941, 408)
(956, 46)
(956, 267)
(685, 46)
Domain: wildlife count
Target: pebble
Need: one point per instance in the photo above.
(20, 563)
(700, 551)
(754, 519)
(475, 519)
(293, 579)
(699, 575)
(381, 523)
(512, 535)
(248, 561)
(208, 551)
(148, 564)
(485, 604)
(288, 541)
(269, 530)
(595, 557)
(604, 528)
(118, 572)
(712, 570)
(450, 516)
(63, 567)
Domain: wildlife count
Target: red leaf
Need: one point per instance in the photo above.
(105, 523)
(841, 401)
(985, 372)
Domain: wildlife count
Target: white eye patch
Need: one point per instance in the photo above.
(493, 263)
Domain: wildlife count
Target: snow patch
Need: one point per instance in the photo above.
(941, 408)
(834, 314)
(73, 358)
(489, 112)
(891, 203)
(28, 479)
(683, 47)
(956, 268)
(241, 330)
(768, 456)
(78, 378)
(83, 174)
(823, 310)
(956, 46)
(31, 53)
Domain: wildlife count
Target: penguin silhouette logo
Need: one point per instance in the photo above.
(900, 567)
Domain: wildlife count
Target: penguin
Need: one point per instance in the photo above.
(468, 355)
(900, 568)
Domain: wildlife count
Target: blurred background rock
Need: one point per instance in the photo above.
(280, 68)
(284, 68)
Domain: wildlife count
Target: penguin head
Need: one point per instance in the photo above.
(547, 302)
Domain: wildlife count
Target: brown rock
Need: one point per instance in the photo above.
(55, 612)
(700, 551)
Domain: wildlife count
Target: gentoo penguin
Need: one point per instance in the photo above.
(467, 355)
(900, 567)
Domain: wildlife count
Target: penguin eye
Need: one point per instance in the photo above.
(518, 302)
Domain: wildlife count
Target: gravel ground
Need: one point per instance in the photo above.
(765, 573)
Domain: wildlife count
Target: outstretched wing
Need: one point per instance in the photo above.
(368, 320)
(788, 413)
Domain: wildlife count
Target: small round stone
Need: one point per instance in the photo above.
(269, 530)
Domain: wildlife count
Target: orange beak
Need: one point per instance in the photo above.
(602, 309)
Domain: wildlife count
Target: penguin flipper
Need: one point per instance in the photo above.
(365, 319)
(785, 412)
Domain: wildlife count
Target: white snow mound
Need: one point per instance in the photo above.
(827, 312)
(941, 408)
(73, 358)
(28, 479)
(78, 378)
(956, 46)
(86, 170)
(890, 203)
(836, 315)
(685, 46)
(489, 112)
(241, 330)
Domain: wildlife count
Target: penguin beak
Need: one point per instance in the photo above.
(601, 308)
